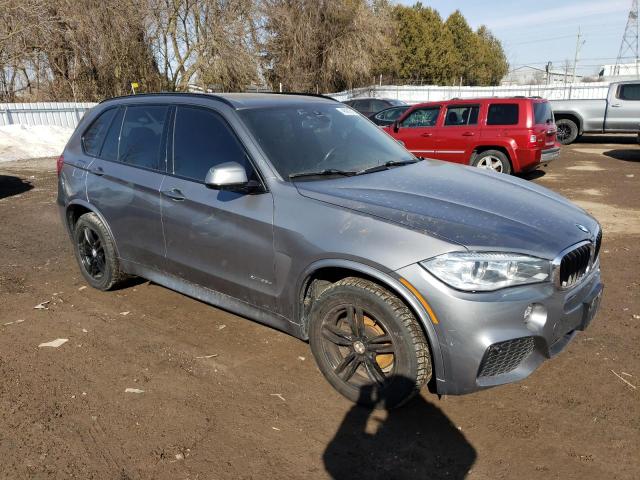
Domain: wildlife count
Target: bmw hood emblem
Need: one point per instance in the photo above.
(583, 228)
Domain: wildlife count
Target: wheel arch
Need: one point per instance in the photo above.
(507, 149)
(77, 208)
(323, 273)
(573, 116)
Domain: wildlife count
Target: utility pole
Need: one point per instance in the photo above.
(575, 58)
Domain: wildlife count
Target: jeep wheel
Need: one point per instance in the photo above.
(493, 160)
(567, 131)
(96, 253)
(368, 344)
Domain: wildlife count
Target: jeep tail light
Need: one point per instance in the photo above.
(59, 163)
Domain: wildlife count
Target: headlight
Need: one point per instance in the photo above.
(484, 271)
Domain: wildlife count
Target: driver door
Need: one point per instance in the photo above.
(219, 239)
(417, 131)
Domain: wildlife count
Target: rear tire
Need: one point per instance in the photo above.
(493, 160)
(567, 131)
(96, 253)
(368, 344)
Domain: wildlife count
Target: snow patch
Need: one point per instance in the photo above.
(21, 142)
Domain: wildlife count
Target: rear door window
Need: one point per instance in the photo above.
(503, 114)
(462, 115)
(94, 136)
(542, 113)
(630, 91)
(202, 139)
(142, 137)
(422, 117)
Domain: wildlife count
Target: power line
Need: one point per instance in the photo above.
(629, 42)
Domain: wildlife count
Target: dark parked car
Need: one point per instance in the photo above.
(297, 212)
(370, 106)
(388, 115)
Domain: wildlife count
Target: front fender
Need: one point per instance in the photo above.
(389, 280)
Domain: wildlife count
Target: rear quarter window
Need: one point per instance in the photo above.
(503, 114)
(94, 136)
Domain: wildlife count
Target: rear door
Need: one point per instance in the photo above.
(220, 239)
(124, 180)
(416, 131)
(457, 137)
(623, 110)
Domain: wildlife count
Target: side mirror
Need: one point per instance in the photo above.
(226, 175)
(396, 127)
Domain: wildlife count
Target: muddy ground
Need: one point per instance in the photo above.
(227, 398)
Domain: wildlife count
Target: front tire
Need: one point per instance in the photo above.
(368, 344)
(493, 160)
(96, 253)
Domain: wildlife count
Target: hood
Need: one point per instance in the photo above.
(468, 206)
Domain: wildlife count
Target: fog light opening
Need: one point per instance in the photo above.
(535, 316)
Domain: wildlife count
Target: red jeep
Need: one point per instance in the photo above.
(502, 134)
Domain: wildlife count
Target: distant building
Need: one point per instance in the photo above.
(629, 70)
(528, 75)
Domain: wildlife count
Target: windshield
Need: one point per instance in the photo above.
(313, 138)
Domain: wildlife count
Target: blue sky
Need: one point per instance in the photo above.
(534, 32)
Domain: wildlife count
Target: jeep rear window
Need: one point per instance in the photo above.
(503, 114)
(542, 113)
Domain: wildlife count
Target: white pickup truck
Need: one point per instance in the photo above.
(618, 113)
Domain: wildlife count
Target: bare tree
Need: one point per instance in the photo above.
(324, 44)
(208, 42)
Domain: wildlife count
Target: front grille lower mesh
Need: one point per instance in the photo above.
(504, 357)
(575, 265)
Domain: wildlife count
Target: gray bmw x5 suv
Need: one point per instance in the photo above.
(297, 212)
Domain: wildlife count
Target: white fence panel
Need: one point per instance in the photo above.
(62, 114)
(433, 93)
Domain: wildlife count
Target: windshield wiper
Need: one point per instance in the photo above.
(323, 173)
(387, 166)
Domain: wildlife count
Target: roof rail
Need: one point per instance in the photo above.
(214, 96)
(159, 94)
(319, 95)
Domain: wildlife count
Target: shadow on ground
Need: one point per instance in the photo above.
(532, 174)
(10, 185)
(625, 155)
(622, 139)
(415, 441)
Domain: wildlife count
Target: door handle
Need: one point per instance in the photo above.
(616, 105)
(426, 134)
(174, 194)
(468, 134)
(97, 171)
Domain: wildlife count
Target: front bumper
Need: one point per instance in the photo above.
(475, 329)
